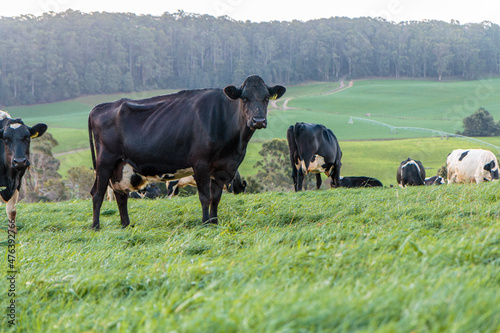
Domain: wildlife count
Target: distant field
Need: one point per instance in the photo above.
(403, 103)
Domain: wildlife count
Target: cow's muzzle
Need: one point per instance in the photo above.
(258, 122)
(20, 163)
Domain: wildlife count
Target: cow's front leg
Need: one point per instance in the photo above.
(216, 187)
(121, 201)
(336, 175)
(10, 209)
(202, 178)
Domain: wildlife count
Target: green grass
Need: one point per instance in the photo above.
(421, 259)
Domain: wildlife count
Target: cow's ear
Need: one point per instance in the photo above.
(276, 92)
(232, 92)
(37, 130)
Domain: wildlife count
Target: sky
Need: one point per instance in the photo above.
(276, 10)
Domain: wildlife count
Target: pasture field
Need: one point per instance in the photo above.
(422, 259)
(402, 103)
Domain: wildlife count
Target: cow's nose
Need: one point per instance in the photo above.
(20, 162)
(259, 122)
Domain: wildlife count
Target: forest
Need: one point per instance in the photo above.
(59, 56)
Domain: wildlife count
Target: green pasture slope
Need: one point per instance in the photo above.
(401, 103)
(423, 259)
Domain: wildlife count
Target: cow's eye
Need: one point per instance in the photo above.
(27, 139)
(244, 99)
(7, 140)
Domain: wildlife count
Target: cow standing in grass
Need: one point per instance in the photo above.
(411, 172)
(14, 154)
(313, 149)
(203, 133)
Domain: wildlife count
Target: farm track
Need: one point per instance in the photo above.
(342, 86)
(71, 152)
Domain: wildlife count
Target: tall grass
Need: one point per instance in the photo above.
(421, 259)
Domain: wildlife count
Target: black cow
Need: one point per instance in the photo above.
(313, 149)
(236, 186)
(434, 180)
(359, 182)
(14, 155)
(203, 133)
(410, 172)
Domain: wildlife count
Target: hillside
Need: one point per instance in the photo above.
(370, 260)
(402, 103)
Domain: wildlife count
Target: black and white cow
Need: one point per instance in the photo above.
(236, 186)
(359, 182)
(434, 180)
(203, 133)
(313, 149)
(14, 156)
(149, 192)
(410, 172)
(471, 165)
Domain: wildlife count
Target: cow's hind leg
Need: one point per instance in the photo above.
(300, 179)
(121, 201)
(98, 191)
(10, 209)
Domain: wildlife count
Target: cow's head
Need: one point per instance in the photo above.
(16, 137)
(492, 168)
(254, 95)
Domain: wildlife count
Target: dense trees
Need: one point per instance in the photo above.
(58, 56)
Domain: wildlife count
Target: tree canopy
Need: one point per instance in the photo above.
(480, 123)
(63, 55)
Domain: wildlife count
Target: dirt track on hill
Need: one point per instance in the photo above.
(342, 86)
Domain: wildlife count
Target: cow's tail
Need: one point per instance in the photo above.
(92, 146)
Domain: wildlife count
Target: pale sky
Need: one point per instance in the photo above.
(280, 10)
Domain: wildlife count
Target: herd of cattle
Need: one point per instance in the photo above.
(199, 138)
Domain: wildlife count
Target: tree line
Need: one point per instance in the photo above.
(63, 55)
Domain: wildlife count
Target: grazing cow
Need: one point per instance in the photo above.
(472, 165)
(203, 133)
(410, 172)
(434, 180)
(236, 186)
(14, 154)
(359, 182)
(313, 149)
(150, 192)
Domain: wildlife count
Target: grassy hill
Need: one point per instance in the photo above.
(421, 259)
(402, 103)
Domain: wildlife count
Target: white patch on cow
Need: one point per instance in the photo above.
(315, 166)
(408, 163)
(15, 126)
(4, 115)
(124, 184)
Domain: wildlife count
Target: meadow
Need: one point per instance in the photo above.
(400, 103)
(423, 259)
